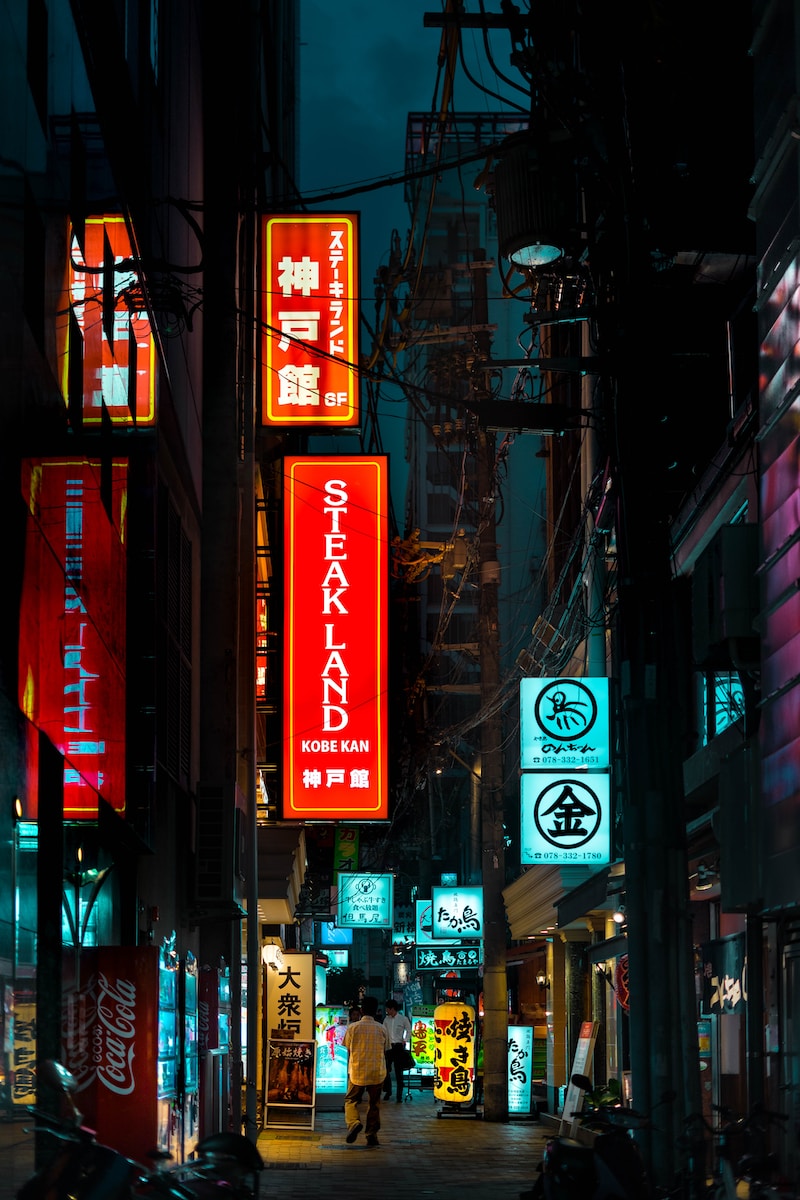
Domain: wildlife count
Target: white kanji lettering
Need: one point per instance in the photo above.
(359, 778)
(300, 276)
(299, 384)
(298, 325)
(312, 779)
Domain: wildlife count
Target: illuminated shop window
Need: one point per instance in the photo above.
(722, 698)
(106, 344)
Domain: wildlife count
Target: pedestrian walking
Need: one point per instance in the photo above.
(367, 1042)
(398, 1027)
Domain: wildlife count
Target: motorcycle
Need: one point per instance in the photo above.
(226, 1164)
(610, 1168)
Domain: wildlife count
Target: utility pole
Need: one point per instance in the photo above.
(495, 1003)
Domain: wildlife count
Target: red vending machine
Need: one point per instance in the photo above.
(214, 1025)
(189, 1079)
(126, 1051)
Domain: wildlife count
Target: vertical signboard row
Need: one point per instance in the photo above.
(335, 669)
(565, 760)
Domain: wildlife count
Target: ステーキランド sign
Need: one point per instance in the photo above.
(310, 320)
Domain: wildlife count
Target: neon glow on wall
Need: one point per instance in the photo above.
(105, 302)
(72, 625)
(335, 667)
(310, 320)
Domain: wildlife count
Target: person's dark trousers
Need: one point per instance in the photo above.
(397, 1060)
(352, 1099)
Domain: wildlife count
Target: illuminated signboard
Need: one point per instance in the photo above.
(423, 934)
(72, 624)
(290, 996)
(442, 957)
(564, 724)
(423, 1045)
(365, 900)
(565, 818)
(335, 666)
(454, 1033)
(520, 1069)
(329, 935)
(104, 307)
(457, 912)
(310, 320)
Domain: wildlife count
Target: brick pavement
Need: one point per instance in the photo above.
(424, 1152)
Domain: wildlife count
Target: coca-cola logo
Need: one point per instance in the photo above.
(203, 1025)
(115, 1034)
(79, 1014)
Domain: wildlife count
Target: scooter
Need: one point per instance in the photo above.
(226, 1164)
(611, 1168)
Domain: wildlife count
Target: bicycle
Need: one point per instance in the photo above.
(755, 1169)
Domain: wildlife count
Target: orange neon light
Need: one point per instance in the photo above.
(105, 301)
(335, 669)
(310, 320)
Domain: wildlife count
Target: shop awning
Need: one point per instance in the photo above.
(531, 901)
(281, 871)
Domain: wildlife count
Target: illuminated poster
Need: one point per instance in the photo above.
(564, 724)
(565, 818)
(72, 624)
(335, 666)
(520, 1069)
(310, 320)
(105, 304)
(423, 1042)
(454, 1032)
(331, 1025)
(365, 900)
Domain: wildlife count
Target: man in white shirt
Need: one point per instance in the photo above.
(398, 1026)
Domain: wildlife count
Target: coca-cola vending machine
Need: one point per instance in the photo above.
(214, 1036)
(121, 1042)
(189, 1077)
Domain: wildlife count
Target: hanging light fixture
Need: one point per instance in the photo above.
(536, 200)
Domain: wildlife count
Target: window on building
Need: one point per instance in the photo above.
(722, 702)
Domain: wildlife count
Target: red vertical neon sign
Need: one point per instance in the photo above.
(335, 670)
(310, 315)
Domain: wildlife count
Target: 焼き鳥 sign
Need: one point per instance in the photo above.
(454, 1033)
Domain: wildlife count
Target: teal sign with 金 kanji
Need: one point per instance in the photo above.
(565, 818)
(564, 724)
(365, 900)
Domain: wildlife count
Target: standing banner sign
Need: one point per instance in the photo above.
(291, 1045)
(580, 1066)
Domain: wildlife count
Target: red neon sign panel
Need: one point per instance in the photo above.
(310, 316)
(72, 625)
(335, 671)
(118, 351)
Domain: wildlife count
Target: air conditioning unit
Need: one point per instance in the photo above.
(725, 601)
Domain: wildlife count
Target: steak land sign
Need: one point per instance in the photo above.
(335, 669)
